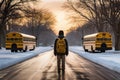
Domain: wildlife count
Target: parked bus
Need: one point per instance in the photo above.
(18, 41)
(97, 42)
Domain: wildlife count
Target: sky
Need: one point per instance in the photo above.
(56, 7)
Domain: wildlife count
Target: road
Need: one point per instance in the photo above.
(43, 67)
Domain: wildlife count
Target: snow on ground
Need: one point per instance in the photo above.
(109, 59)
(8, 58)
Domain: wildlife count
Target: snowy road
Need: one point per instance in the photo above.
(43, 67)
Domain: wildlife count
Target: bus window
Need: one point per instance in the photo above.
(12, 39)
(109, 39)
(8, 39)
(19, 39)
(16, 39)
(98, 39)
(105, 39)
(14, 34)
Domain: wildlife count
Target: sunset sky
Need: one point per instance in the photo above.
(56, 7)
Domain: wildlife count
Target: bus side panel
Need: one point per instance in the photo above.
(90, 46)
(29, 45)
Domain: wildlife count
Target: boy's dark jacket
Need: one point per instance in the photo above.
(55, 51)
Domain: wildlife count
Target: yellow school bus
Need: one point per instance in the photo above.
(16, 41)
(97, 42)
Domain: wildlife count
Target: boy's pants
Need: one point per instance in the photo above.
(61, 62)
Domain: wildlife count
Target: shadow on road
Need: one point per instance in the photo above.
(79, 75)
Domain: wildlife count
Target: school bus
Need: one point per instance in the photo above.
(16, 41)
(97, 42)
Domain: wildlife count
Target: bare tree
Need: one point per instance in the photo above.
(39, 20)
(34, 22)
(100, 12)
(8, 9)
(89, 10)
(111, 11)
(37, 17)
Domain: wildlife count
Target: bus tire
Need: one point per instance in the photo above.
(25, 49)
(102, 50)
(33, 47)
(85, 49)
(16, 50)
(20, 50)
(12, 50)
(92, 49)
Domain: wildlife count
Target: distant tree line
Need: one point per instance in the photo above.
(102, 14)
(36, 21)
(18, 15)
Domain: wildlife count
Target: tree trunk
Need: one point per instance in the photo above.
(116, 31)
(2, 35)
(117, 42)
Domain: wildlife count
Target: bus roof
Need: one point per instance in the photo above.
(91, 35)
(24, 35)
(95, 34)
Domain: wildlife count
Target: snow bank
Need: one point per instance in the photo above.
(109, 59)
(8, 58)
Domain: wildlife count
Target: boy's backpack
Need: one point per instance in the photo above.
(61, 46)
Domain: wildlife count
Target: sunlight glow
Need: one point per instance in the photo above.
(64, 20)
(56, 7)
(62, 23)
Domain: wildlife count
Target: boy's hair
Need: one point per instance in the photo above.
(61, 34)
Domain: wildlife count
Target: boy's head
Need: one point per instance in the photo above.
(61, 34)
